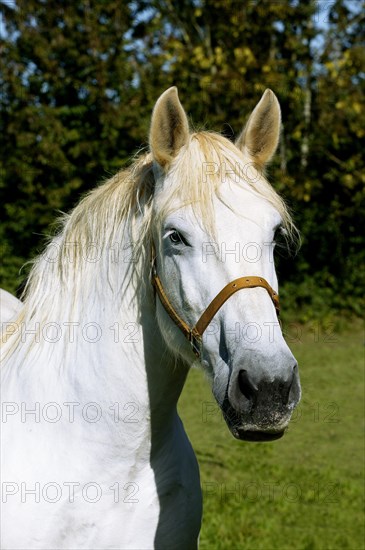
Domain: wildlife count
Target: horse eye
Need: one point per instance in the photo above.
(175, 237)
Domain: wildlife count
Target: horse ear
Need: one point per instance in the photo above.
(169, 127)
(260, 136)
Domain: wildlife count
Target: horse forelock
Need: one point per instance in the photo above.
(205, 164)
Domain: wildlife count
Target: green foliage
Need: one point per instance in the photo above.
(66, 113)
(79, 82)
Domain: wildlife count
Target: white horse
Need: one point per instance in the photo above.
(168, 263)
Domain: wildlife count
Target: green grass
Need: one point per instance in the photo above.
(305, 491)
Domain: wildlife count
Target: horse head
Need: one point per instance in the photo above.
(215, 223)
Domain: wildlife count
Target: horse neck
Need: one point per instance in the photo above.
(110, 352)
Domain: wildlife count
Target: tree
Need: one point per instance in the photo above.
(69, 113)
(80, 80)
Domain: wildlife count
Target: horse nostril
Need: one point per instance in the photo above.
(247, 387)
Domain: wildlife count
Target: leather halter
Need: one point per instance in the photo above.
(195, 334)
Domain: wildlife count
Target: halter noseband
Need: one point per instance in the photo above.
(195, 334)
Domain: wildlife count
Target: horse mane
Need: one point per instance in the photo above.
(64, 275)
(94, 234)
(106, 214)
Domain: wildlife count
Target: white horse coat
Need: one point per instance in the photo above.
(94, 454)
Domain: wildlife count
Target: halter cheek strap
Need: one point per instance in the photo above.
(194, 335)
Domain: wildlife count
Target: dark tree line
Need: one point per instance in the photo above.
(79, 80)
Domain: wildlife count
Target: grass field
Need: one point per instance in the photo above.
(305, 491)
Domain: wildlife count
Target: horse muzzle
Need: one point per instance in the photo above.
(260, 410)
